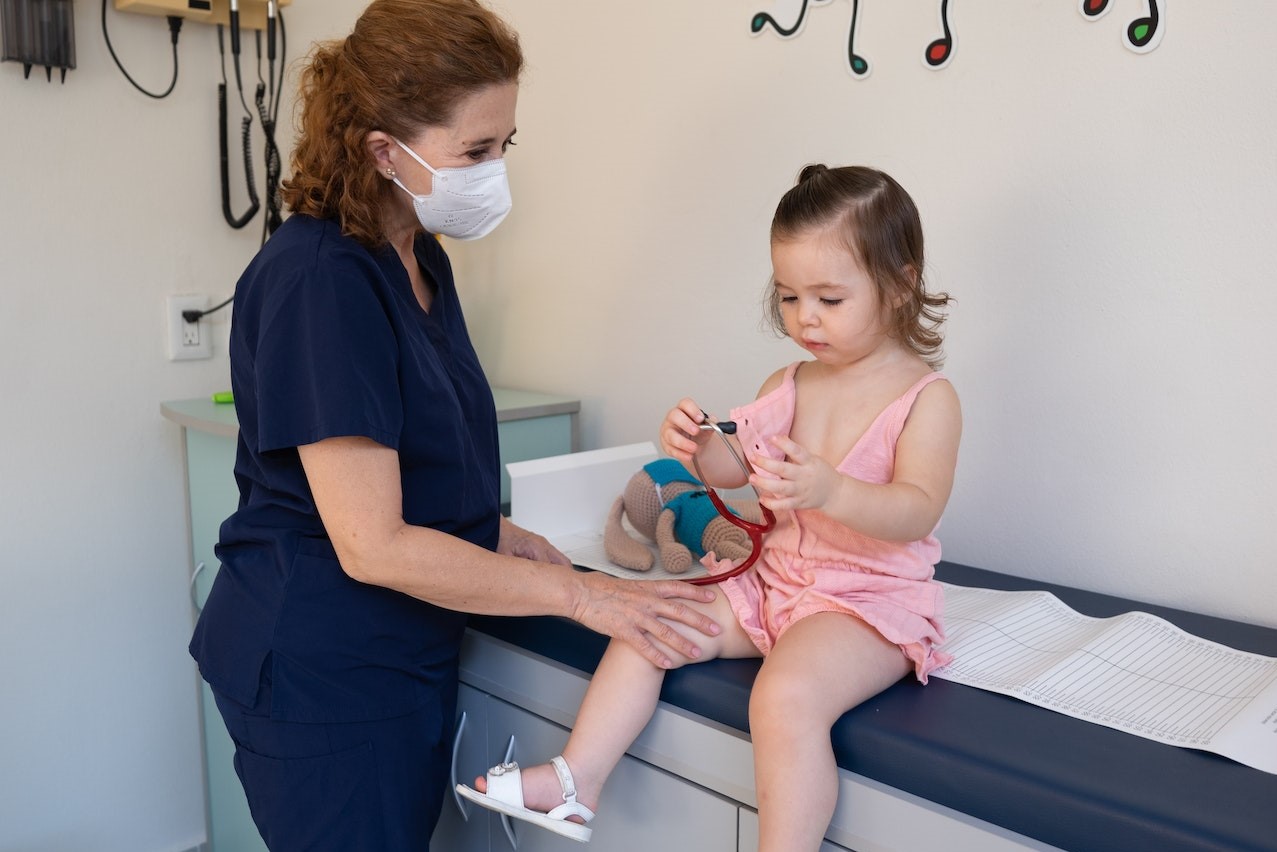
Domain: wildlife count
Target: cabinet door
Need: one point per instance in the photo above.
(532, 438)
(643, 809)
(213, 495)
(463, 826)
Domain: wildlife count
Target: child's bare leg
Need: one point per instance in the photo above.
(822, 666)
(619, 703)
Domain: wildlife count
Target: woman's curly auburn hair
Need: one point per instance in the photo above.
(405, 66)
(880, 226)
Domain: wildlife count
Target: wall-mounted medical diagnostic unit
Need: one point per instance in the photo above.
(38, 32)
(249, 14)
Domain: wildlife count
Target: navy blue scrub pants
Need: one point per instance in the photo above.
(355, 787)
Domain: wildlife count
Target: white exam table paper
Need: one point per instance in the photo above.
(1133, 672)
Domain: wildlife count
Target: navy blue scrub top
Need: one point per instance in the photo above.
(329, 340)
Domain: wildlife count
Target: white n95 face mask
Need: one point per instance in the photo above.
(465, 203)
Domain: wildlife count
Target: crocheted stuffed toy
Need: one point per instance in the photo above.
(669, 506)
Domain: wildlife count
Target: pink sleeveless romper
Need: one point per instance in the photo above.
(811, 563)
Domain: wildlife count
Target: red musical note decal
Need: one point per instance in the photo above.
(940, 51)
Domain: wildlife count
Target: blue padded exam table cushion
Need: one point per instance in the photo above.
(1060, 780)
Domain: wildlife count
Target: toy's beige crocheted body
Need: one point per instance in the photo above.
(643, 502)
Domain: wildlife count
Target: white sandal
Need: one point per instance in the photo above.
(505, 795)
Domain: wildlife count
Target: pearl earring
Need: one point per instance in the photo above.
(390, 173)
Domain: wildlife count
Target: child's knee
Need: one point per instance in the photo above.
(784, 698)
(776, 699)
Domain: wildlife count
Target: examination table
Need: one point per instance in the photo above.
(1055, 779)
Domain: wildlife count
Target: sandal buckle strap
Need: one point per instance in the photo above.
(566, 781)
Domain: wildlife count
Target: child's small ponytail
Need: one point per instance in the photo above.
(811, 171)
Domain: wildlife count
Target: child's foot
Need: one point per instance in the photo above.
(542, 791)
(545, 795)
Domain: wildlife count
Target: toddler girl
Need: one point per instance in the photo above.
(854, 450)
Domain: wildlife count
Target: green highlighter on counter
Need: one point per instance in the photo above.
(223, 396)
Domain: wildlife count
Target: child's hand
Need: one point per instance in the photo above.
(681, 435)
(801, 481)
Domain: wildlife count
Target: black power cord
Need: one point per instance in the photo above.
(174, 26)
(196, 316)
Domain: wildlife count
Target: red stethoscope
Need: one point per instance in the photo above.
(755, 531)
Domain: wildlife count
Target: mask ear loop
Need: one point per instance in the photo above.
(753, 530)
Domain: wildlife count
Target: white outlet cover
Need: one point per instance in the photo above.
(178, 350)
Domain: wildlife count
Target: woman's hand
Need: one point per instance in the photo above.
(636, 611)
(516, 541)
(681, 435)
(801, 480)
(630, 610)
(356, 483)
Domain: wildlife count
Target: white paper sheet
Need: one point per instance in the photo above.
(1134, 672)
(586, 550)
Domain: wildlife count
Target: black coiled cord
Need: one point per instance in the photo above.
(246, 128)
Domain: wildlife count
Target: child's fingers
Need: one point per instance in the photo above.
(771, 487)
(765, 463)
(778, 468)
(680, 435)
(795, 451)
(688, 406)
(686, 417)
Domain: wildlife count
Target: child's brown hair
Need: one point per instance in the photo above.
(880, 226)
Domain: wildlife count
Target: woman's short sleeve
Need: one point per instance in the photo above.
(325, 361)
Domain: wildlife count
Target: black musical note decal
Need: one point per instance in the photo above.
(856, 64)
(940, 51)
(1142, 34)
(1094, 9)
(763, 20)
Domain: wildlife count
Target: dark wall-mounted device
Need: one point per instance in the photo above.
(38, 32)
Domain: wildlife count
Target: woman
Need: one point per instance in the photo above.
(367, 463)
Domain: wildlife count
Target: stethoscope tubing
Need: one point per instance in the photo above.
(753, 530)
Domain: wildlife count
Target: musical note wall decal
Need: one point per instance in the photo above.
(781, 12)
(1142, 34)
(1094, 9)
(787, 18)
(856, 64)
(936, 56)
(940, 51)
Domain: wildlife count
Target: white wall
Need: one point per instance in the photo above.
(109, 201)
(1104, 220)
(1101, 218)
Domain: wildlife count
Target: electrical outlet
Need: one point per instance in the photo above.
(187, 340)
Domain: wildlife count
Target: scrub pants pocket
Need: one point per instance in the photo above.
(330, 801)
